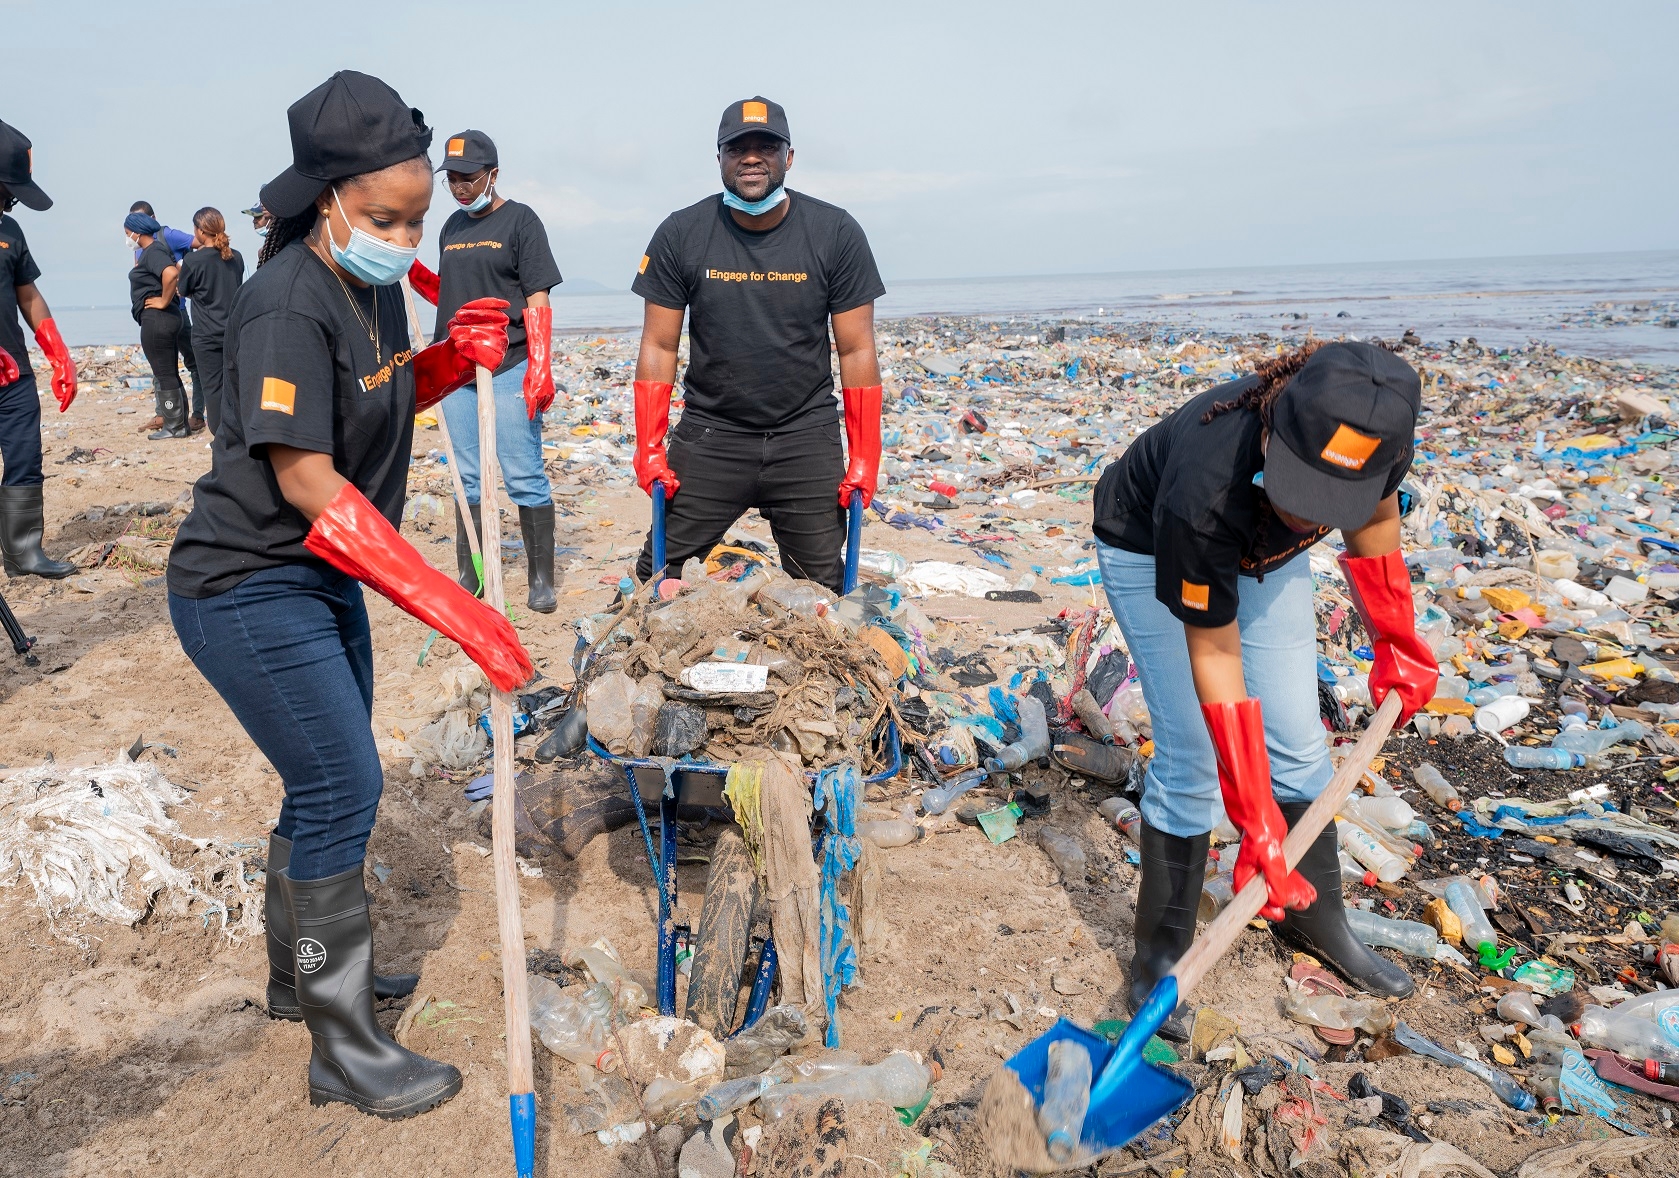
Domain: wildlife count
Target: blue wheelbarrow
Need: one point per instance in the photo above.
(700, 783)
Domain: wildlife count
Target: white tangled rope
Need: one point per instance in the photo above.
(96, 841)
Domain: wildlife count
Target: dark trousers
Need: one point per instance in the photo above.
(20, 433)
(207, 382)
(160, 340)
(791, 478)
(185, 347)
(289, 651)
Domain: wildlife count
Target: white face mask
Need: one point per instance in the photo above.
(133, 242)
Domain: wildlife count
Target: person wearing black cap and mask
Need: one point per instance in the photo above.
(762, 272)
(1202, 528)
(304, 497)
(497, 248)
(155, 303)
(22, 506)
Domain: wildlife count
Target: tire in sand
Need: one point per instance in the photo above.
(724, 935)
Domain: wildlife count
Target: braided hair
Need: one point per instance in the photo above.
(285, 230)
(1272, 378)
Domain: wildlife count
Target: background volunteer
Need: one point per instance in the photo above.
(1201, 527)
(210, 277)
(761, 271)
(155, 303)
(492, 247)
(180, 244)
(303, 500)
(22, 504)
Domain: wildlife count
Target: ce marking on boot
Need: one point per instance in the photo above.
(311, 955)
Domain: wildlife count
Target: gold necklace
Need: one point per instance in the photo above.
(373, 329)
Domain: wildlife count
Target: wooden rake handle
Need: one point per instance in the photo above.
(1227, 925)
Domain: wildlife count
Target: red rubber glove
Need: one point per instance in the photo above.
(8, 368)
(354, 538)
(1244, 778)
(539, 365)
(1381, 589)
(652, 419)
(425, 283)
(477, 336)
(63, 368)
(862, 443)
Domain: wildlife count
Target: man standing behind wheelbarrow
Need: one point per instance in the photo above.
(762, 271)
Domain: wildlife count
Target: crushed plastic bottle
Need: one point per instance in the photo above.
(1066, 1098)
(1407, 936)
(1065, 852)
(724, 1098)
(1517, 1006)
(899, 1080)
(574, 1023)
(892, 832)
(1646, 1027)
(938, 799)
(1510, 1092)
(757, 1047)
(1336, 1012)
(1033, 742)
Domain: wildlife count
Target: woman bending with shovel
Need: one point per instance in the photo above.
(303, 500)
(1201, 527)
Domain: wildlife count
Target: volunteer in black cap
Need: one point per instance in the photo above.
(303, 500)
(210, 277)
(1202, 528)
(22, 508)
(180, 245)
(497, 248)
(155, 303)
(260, 220)
(762, 271)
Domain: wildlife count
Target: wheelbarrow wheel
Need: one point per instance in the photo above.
(724, 935)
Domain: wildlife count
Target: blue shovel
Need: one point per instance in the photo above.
(1128, 1093)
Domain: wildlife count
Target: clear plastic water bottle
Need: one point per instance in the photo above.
(1483, 696)
(1407, 936)
(1066, 1098)
(1433, 783)
(1522, 757)
(1477, 930)
(1590, 742)
(1123, 816)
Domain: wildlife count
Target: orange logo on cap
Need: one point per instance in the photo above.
(279, 395)
(456, 147)
(754, 112)
(1349, 448)
(1194, 596)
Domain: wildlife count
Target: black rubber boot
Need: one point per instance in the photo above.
(537, 526)
(1079, 754)
(282, 990)
(172, 404)
(468, 574)
(1322, 929)
(22, 523)
(353, 1061)
(1168, 898)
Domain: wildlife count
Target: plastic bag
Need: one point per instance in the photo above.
(608, 702)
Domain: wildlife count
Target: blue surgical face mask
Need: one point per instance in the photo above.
(371, 259)
(755, 208)
(262, 230)
(482, 201)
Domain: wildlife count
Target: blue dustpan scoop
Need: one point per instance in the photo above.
(1128, 1094)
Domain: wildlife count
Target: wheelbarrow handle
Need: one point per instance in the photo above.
(853, 539)
(658, 533)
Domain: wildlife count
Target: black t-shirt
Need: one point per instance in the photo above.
(501, 255)
(758, 308)
(302, 372)
(145, 281)
(211, 284)
(1183, 493)
(17, 268)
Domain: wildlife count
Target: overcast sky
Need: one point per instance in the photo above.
(969, 138)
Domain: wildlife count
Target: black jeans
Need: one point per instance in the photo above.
(20, 433)
(184, 346)
(791, 478)
(160, 340)
(207, 382)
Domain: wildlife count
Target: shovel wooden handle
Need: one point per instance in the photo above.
(1228, 925)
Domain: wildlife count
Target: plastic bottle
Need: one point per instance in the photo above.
(644, 714)
(899, 1080)
(814, 1067)
(1517, 1006)
(601, 960)
(573, 1023)
(1391, 813)
(1123, 816)
(1090, 712)
(1482, 696)
(1352, 871)
(1502, 713)
(1433, 783)
(892, 832)
(756, 1049)
(1478, 932)
(1407, 936)
(1033, 742)
(884, 564)
(726, 1097)
(1066, 1098)
(1064, 851)
(1216, 893)
(1519, 756)
(805, 598)
(1591, 742)
(1358, 843)
(1402, 848)
(1638, 1028)
(938, 799)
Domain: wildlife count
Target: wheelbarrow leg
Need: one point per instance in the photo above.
(759, 998)
(667, 906)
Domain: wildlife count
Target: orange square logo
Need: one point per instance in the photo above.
(279, 395)
(457, 147)
(754, 112)
(1194, 596)
(1349, 448)
(642, 269)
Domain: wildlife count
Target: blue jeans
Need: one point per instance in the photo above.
(1279, 662)
(289, 651)
(518, 439)
(20, 433)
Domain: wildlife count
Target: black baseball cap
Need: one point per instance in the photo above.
(753, 114)
(349, 124)
(1340, 431)
(16, 161)
(468, 151)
